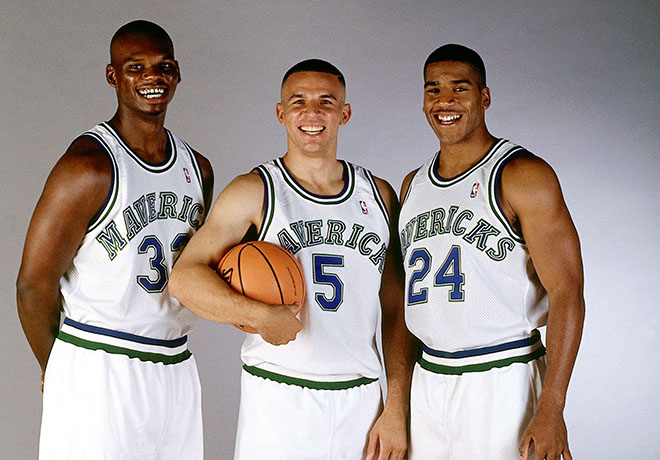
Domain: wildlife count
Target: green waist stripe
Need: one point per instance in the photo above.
(141, 355)
(481, 367)
(314, 385)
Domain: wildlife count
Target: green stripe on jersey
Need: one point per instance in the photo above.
(481, 367)
(141, 355)
(314, 385)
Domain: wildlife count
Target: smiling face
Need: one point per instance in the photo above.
(455, 102)
(312, 108)
(144, 73)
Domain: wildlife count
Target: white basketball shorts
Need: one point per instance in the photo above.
(473, 406)
(289, 421)
(114, 396)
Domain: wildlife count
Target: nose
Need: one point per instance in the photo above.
(152, 71)
(446, 97)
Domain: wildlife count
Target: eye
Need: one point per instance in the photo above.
(432, 90)
(460, 89)
(134, 67)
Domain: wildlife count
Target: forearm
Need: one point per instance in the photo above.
(39, 314)
(564, 332)
(202, 291)
(399, 356)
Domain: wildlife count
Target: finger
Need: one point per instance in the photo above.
(372, 446)
(524, 448)
(567, 453)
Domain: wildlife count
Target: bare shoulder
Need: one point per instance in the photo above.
(207, 177)
(243, 196)
(528, 180)
(82, 174)
(405, 185)
(387, 192)
(204, 165)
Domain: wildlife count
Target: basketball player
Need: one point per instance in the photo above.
(490, 254)
(117, 208)
(309, 385)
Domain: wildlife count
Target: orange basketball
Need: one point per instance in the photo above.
(263, 271)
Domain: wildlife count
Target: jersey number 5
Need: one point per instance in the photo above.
(449, 274)
(321, 262)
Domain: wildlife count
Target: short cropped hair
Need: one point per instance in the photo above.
(315, 65)
(143, 28)
(458, 53)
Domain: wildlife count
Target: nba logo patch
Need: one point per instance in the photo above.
(363, 206)
(185, 171)
(475, 188)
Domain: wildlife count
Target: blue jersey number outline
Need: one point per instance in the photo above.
(320, 262)
(449, 274)
(157, 262)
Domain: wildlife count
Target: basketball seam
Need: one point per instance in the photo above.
(279, 287)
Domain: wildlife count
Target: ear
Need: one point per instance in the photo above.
(345, 114)
(485, 97)
(110, 75)
(279, 111)
(178, 69)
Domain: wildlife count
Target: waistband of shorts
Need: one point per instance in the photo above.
(312, 384)
(482, 359)
(122, 343)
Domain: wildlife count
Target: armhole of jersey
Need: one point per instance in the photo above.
(114, 182)
(495, 179)
(197, 168)
(378, 196)
(269, 201)
(410, 186)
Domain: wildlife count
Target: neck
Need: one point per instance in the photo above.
(457, 158)
(144, 135)
(319, 174)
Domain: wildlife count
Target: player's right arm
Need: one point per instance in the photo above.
(74, 192)
(195, 282)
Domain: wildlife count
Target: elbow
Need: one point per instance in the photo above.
(174, 284)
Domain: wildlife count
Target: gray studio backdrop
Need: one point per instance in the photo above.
(575, 82)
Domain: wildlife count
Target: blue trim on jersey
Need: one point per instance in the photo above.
(535, 337)
(510, 155)
(126, 336)
(170, 151)
(345, 177)
(114, 185)
(445, 182)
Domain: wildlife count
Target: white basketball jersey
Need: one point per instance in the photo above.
(341, 243)
(470, 282)
(118, 277)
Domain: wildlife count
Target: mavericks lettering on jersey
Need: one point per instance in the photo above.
(459, 222)
(145, 210)
(303, 234)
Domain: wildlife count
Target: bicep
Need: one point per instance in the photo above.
(238, 207)
(537, 201)
(74, 192)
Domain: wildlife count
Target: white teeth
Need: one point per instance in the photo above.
(151, 93)
(447, 119)
(312, 129)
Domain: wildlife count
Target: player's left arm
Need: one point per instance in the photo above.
(533, 201)
(388, 436)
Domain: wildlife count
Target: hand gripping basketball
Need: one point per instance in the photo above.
(263, 271)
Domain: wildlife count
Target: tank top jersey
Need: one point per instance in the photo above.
(340, 242)
(470, 282)
(118, 277)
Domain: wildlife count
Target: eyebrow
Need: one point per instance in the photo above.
(322, 96)
(453, 82)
